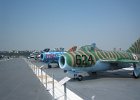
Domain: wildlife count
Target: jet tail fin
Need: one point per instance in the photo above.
(72, 49)
(135, 48)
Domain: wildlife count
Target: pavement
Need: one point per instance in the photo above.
(18, 82)
(109, 85)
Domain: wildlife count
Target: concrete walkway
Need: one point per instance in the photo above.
(18, 82)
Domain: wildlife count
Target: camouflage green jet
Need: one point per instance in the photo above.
(91, 59)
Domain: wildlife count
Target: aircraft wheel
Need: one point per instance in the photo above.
(80, 77)
(49, 66)
(65, 71)
(75, 76)
(94, 73)
(58, 65)
(135, 76)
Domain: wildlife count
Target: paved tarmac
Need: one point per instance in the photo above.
(110, 85)
(18, 82)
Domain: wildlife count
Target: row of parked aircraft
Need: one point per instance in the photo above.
(91, 59)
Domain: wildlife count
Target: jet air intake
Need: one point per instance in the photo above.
(43, 57)
(62, 62)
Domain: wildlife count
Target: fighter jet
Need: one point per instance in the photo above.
(91, 59)
(35, 55)
(51, 56)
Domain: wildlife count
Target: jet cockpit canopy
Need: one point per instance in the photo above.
(91, 47)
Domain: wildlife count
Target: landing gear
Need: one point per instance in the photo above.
(78, 77)
(136, 71)
(65, 71)
(75, 76)
(94, 73)
(58, 65)
(49, 66)
(134, 75)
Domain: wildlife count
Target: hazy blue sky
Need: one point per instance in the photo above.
(38, 24)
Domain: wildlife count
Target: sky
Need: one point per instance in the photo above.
(39, 24)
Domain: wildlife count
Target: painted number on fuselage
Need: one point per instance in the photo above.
(83, 60)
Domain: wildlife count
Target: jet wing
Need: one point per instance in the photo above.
(119, 61)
